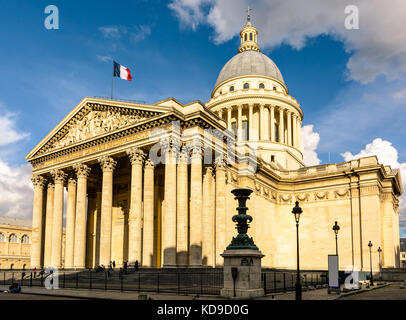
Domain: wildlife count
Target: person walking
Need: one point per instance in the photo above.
(35, 272)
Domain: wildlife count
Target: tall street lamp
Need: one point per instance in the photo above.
(380, 266)
(297, 212)
(336, 228)
(370, 261)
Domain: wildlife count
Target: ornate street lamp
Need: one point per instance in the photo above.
(380, 267)
(370, 261)
(297, 211)
(336, 228)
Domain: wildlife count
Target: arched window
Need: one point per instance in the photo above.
(274, 88)
(246, 86)
(251, 36)
(245, 37)
(2, 238)
(24, 266)
(13, 238)
(261, 86)
(25, 239)
(232, 88)
(12, 266)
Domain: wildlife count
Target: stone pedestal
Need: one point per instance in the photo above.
(248, 280)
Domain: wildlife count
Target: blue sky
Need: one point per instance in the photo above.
(177, 48)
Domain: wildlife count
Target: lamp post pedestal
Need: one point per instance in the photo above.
(242, 258)
(246, 283)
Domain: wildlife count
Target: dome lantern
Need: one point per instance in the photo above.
(249, 36)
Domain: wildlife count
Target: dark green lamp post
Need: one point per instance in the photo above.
(336, 228)
(370, 261)
(297, 211)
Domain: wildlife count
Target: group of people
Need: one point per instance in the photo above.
(112, 265)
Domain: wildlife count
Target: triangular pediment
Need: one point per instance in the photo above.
(94, 117)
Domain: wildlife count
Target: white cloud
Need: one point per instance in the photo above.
(15, 185)
(16, 192)
(140, 33)
(113, 32)
(8, 132)
(377, 47)
(104, 58)
(135, 33)
(387, 155)
(189, 12)
(310, 141)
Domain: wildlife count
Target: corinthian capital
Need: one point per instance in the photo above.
(107, 163)
(220, 163)
(197, 148)
(38, 181)
(82, 170)
(149, 164)
(59, 176)
(170, 145)
(136, 155)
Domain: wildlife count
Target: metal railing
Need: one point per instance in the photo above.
(183, 281)
(179, 282)
(276, 281)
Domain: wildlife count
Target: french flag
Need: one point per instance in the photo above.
(122, 72)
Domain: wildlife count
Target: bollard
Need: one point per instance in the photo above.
(42, 279)
(105, 280)
(158, 281)
(90, 279)
(77, 280)
(139, 282)
(64, 280)
(31, 279)
(265, 282)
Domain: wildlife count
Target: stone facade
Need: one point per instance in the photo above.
(152, 183)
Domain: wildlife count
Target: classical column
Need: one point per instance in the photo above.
(229, 109)
(239, 123)
(220, 167)
(220, 113)
(70, 222)
(48, 224)
(281, 127)
(82, 172)
(266, 119)
(148, 235)
(251, 134)
(299, 130)
(182, 247)
(38, 208)
(272, 124)
(208, 216)
(137, 157)
(108, 164)
(294, 137)
(289, 127)
(169, 214)
(195, 245)
(261, 122)
(57, 228)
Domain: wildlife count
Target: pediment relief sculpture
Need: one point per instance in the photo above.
(93, 124)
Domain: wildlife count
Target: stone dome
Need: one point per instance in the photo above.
(249, 62)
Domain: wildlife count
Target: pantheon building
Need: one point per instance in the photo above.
(152, 182)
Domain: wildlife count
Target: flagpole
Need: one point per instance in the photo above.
(112, 82)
